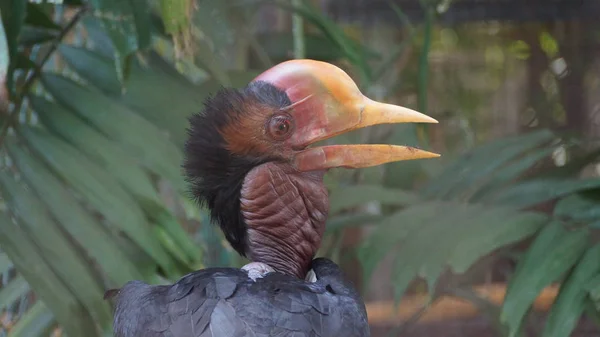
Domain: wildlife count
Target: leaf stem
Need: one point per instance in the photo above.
(424, 60)
(37, 71)
(298, 32)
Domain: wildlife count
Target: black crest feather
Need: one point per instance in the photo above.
(215, 174)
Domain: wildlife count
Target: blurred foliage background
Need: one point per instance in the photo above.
(499, 237)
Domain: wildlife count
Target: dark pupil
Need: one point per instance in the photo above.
(282, 126)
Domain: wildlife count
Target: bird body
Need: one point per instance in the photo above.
(225, 302)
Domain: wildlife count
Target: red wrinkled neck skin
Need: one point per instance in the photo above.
(285, 211)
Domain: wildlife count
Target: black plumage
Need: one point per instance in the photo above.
(225, 302)
(215, 173)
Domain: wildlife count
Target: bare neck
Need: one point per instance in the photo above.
(285, 211)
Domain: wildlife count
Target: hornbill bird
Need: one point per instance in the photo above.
(249, 160)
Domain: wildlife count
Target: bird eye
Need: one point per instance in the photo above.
(280, 127)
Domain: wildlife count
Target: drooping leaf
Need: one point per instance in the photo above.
(463, 233)
(339, 222)
(38, 18)
(93, 67)
(128, 25)
(171, 227)
(488, 234)
(139, 138)
(99, 148)
(31, 36)
(4, 63)
(552, 253)
(170, 245)
(99, 188)
(71, 216)
(478, 163)
(62, 256)
(24, 62)
(593, 288)
(12, 291)
(98, 40)
(69, 312)
(175, 15)
(213, 19)
(512, 171)
(36, 321)
(578, 207)
(415, 259)
(12, 13)
(151, 90)
(5, 263)
(533, 192)
(572, 167)
(352, 196)
(393, 230)
(570, 303)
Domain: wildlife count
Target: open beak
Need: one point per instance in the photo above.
(325, 103)
(362, 155)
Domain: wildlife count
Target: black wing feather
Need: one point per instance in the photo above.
(224, 302)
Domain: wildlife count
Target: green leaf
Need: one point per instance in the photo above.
(69, 312)
(99, 188)
(172, 228)
(214, 20)
(552, 253)
(150, 91)
(175, 15)
(12, 13)
(415, 258)
(102, 150)
(593, 287)
(279, 46)
(508, 173)
(533, 192)
(4, 59)
(93, 67)
(352, 196)
(38, 18)
(31, 36)
(340, 222)
(98, 39)
(138, 137)
(12, 291)
(36, 321)
(469, 168)
(73, 218)
(463, 234)
(486, 234)
(353, 51)
(5, 263)
(548, 44)
(63, 257)
(573, 167)
(394, 230)
(570, 303)
(578, 207)
(170, 245)
(128, 25)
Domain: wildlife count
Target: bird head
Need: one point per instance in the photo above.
(250, 157)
